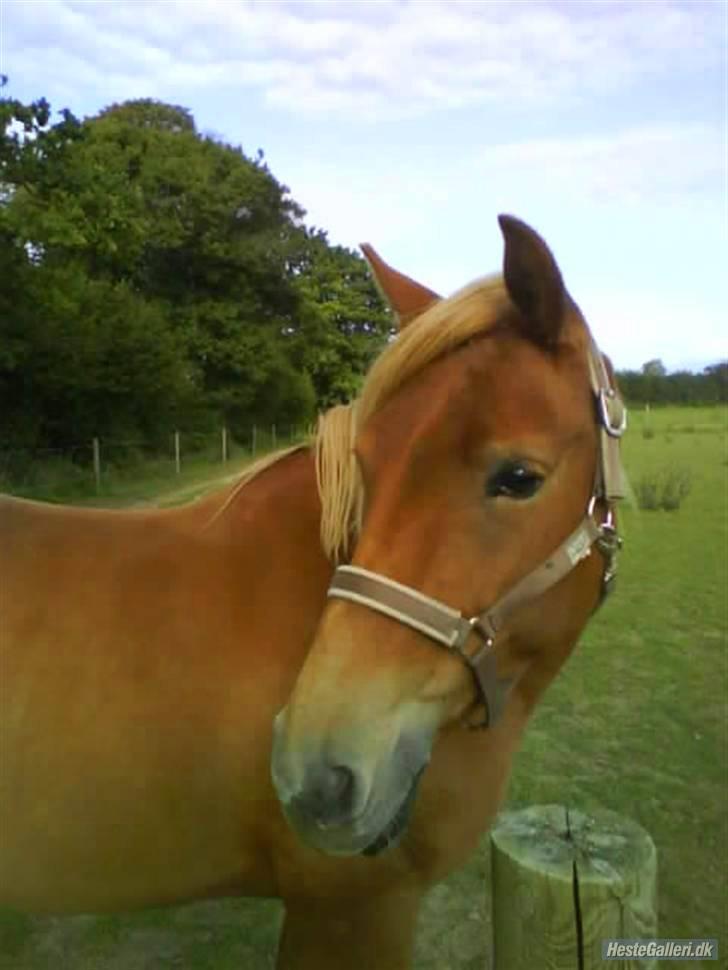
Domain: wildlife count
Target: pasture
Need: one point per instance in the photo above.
(637, 722)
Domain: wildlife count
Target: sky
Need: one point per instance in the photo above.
(411, 124)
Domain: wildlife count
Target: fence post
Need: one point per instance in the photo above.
(253, 443)
(177, 463)
(224, 445)
(97, 464)
(563, 881)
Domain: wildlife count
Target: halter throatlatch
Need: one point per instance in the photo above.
(448, 626)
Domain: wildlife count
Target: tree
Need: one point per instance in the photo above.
(716, 377)
(654, 368)
(151, 274)
(679, 387)
(343, 322)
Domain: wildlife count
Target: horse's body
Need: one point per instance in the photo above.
(145, 655)
(140, 679)
(141, 673)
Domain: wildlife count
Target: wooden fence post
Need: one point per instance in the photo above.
(563, 881)
(97, 464)
(224, 445)
(177, 463)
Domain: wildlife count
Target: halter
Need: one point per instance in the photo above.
(448, 627)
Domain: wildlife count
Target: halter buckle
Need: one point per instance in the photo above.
(606, 397)
(491, 704)
(469, 625)
(485, 646)
(609, 542)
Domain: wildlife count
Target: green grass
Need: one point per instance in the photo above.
(637, 722)
(133, 479)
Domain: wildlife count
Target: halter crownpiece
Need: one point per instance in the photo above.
(447, 626)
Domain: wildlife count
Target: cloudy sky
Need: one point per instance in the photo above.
(412, 123)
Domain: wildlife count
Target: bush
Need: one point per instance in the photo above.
(54, 477)
(664, 489)
(675, 487)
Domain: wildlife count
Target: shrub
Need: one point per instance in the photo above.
(665, 489)
(647, 490)
(675, 487)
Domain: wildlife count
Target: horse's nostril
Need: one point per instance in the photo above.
(341, 786)
(329, 795)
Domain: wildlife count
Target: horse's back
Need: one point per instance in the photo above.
(63, 569)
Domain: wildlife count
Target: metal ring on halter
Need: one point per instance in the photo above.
(607, 524)
(484, 647)
(613, 430)
(468, 626)
(490, 697)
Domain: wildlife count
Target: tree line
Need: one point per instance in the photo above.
(653, 385)
(153, 277)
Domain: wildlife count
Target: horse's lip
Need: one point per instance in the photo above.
(337, 839)
(392, 832)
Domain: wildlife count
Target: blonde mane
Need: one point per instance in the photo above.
(441, 328)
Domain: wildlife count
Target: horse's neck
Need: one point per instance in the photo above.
(271, 527)
(280, 504)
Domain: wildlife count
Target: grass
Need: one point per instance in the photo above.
(133, 479)
(129, 473)
(637, 722)
(665, 489)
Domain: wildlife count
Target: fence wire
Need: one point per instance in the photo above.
(107, 466)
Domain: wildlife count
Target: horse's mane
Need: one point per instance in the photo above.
(443, 327)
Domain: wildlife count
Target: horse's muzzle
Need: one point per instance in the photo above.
(339, 808)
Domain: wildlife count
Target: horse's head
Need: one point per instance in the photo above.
(485, 464)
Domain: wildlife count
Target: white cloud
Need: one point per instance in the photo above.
(377, 59)
(630, 206)
(651, 162)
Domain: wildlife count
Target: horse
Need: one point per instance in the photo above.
(311, 684)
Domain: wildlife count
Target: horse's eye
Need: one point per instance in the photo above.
(514, 480)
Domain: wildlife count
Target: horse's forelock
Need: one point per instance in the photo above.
(445, 326)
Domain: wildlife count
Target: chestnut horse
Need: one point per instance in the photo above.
(197, 702)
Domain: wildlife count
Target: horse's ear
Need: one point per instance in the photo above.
(533, 280)
(407, 298)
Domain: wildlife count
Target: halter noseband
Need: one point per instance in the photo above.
(448, 626)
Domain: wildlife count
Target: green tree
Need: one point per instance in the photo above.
(343, 322)
(152, 275)
(654, 368)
